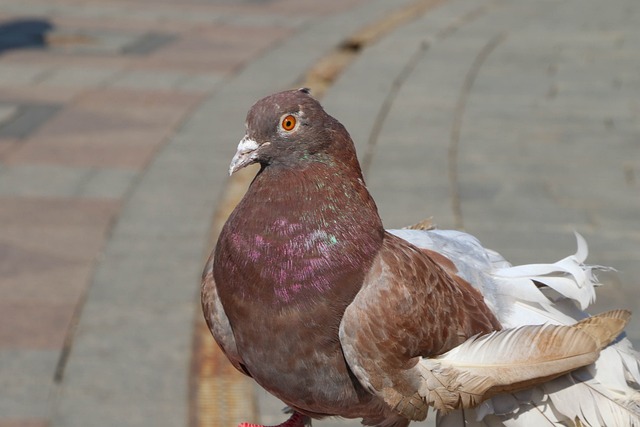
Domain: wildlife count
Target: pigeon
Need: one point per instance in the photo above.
(309, 295)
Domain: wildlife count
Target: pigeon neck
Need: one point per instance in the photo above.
(316, 194)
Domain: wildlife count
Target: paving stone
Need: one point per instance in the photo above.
(38, 302)
(80, 77)
(19, 74)
(29, 422)
(59, 181)
(59, 279)
(39, 181)
(18, 8)
(313, 8)
(37, 94)
(90, 41)
(7, 145)
(116, 149)
(26, 381)
(201, 82)
(147, 43)
(27, 119)
(264, 20)
(186, 12)
(155, 106)
(52, 60)
(108, 128)
(34, 325)
(108, 183)
(132, 23)
(220, 49)
(137, 79)
(7, 113)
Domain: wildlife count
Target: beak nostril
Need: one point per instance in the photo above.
(246, 154)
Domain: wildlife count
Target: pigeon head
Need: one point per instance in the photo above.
(287, 129)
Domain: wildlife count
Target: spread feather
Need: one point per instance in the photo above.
(602, 393)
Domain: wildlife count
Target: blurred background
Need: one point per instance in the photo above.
(514, 120)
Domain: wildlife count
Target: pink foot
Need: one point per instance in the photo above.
(296, 420)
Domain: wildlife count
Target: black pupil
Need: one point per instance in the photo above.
(288, 123)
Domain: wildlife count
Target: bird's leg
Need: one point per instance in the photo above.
(296, 420)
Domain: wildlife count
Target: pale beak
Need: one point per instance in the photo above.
(245, 155)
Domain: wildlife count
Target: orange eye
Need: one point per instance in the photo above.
(288, 122)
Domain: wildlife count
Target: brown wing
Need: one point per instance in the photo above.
(216, 318)
(409, 306)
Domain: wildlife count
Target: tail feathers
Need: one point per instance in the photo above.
(591, 403)
(569, 278)
(631, 360)
(617, 369)
(528, 414)
(566, 400)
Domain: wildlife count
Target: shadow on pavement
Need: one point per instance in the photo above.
(24, 34)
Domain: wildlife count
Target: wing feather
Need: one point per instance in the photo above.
(217, 319)
(515, 359)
